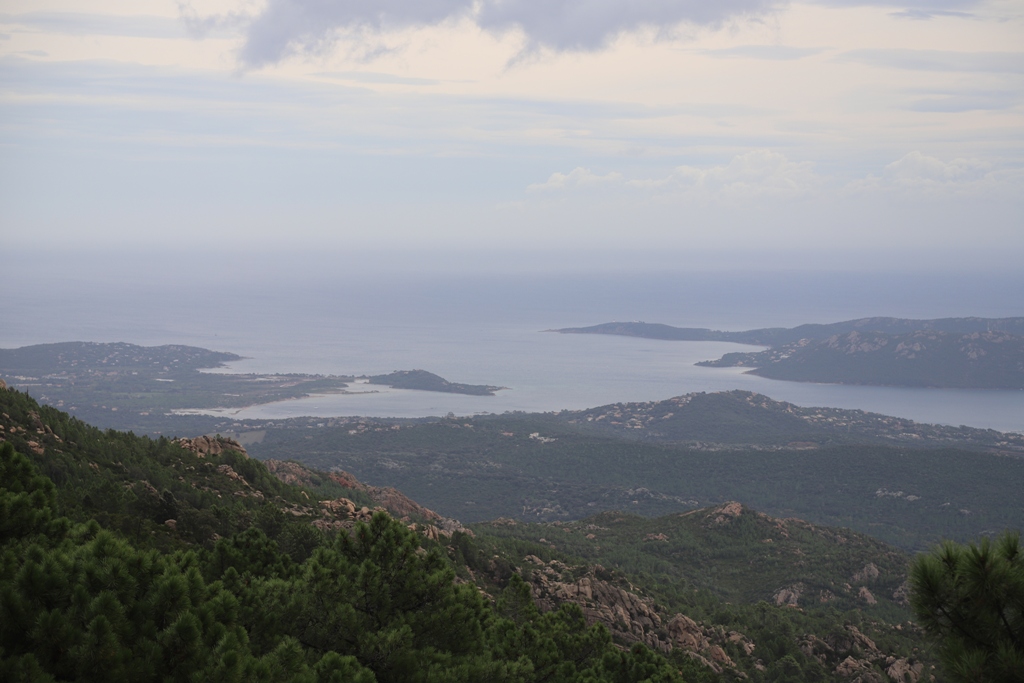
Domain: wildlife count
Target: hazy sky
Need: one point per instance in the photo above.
(515, 123)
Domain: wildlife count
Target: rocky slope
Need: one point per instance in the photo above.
(743, 557)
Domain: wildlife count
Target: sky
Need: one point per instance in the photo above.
(866, 127)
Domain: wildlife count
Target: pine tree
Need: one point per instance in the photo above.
(972, 599)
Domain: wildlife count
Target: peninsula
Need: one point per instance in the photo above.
(127, 386)
(963, 353)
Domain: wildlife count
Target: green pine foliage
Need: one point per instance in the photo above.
(95, 586)
(971, 598)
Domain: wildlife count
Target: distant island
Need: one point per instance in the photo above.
(963, 353)
(428, 381)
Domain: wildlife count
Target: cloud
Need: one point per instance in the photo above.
(772, 52)
(969, 100)
(589, 25)
(926, 14)
(286, 27)
(920, 174)
(758, 173)
(939, 60)
(89, 24)
(755, 174)
(578, 178)
(375, 77)
(937, 6)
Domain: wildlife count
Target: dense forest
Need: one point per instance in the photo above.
(828, 467)
(129, 558)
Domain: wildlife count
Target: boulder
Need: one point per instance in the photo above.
(210, 445)
(866, 575)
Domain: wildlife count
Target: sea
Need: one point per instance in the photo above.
(483, 326)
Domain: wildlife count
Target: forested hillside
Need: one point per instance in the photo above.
(126, 558)
(826, 468)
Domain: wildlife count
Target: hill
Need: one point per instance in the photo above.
(991, 360)
(427, 381)
(128, 558)
(828, 468)
(980, 353)
(776, 336)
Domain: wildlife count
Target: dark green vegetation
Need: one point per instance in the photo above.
(735, 446)
(737, 555)
(976, 353)
(990, 360)
(428, 381)
(129, 559)
(124, 558)
(96, 584)
(124, 386)
(972, 599)
(754, 421)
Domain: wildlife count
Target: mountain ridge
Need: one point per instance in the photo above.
(971, 353)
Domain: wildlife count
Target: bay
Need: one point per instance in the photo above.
(490, 329)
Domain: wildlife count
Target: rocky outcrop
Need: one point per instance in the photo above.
(859, 671)
(902, 594)
(630, 617)
(902, 670)
(866, 575)
(725, 513)
(789, 597)
(623, 612)
(852, 641)
(210, 445)
(342, 513)
(396, 503)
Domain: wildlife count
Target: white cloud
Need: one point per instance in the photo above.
(576, 179)
(96, 24)
(285, 27)
(938, 60)
(920, 174)
(770, 52)
(756, 174)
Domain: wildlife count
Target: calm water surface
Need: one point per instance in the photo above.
(491, 331)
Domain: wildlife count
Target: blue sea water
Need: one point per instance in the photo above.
(489, 328)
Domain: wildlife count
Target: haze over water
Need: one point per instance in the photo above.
(489, 329)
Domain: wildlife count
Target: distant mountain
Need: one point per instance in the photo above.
(976, 353)
(81, 356)
(774, 336)
(925, 358)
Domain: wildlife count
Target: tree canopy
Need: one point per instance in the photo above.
(971, 597)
